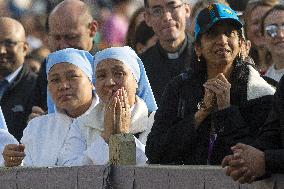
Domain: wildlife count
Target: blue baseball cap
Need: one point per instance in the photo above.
(213, 14)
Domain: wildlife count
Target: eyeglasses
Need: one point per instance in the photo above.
(9, 43)
(272, 30)
(159, 11)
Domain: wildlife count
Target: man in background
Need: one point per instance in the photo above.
(70, 24)
(17, 81)
(171, 55)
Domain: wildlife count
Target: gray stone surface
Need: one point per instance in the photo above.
(216, 179)
(151, 178)
(62, 178)
(123, 177)
(8, 178)
(185, 178)
(32, 178)
(91, 176)
(127, 177)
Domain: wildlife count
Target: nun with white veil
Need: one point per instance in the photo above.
(127, 105)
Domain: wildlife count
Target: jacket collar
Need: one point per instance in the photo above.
(257, 86)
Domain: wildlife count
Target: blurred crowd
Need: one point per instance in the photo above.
(117, 22)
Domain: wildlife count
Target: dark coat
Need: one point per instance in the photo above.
(160, 69)
(174, 139)
(271, 136)
(16, 102)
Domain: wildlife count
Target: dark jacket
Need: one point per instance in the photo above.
(174, 139)
(271, 136)
(16, 102)
(160, 69)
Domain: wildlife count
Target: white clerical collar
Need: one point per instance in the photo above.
(10, 78)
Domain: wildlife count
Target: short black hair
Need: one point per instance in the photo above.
(143, 33)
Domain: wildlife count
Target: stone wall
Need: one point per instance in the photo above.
(127, 177)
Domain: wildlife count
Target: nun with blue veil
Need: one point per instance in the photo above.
(127, 105)
(69, 75)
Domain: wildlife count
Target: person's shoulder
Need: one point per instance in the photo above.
(40, 122)
(149, 53)
(257, 86)
(27, 70)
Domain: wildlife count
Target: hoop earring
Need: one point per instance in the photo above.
(198, 58)
(240, 55)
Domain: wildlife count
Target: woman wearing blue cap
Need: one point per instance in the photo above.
(70, 86)
(127, 105)
(219, 102)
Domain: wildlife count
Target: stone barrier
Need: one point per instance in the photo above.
(127, 177)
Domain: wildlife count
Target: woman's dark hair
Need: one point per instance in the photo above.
(130, 35)
(143, 33)
(279, 7)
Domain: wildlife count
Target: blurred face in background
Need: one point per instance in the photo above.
(65, 32)
(168, 19)
(274, 32)
(253, 26)
(13, 47)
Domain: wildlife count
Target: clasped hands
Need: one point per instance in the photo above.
(117, 114)
(217, 92)
(217, 96)
(245, 164)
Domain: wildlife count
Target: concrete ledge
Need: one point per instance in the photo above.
(127, 177)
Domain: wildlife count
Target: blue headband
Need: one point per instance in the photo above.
(128, 57)
(80, 58)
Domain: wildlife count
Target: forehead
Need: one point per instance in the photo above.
(111, 64)
(10, 31)
(63, 68)
(64, 24)
(162, 2)
(276, 16)
(258, 12)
